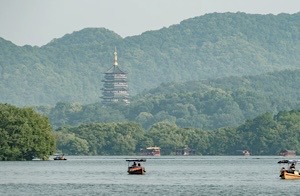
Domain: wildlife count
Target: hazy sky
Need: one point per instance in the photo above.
(37, 22)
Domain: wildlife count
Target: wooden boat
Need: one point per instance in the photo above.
(135, 167)
(291, 173)
(59, 158)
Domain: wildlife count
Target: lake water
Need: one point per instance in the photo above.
(165, 175)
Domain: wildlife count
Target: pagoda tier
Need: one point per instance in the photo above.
(115, 87)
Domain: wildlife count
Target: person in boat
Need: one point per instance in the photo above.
(134, 164)
(60, 157)
(139, 164)
(292, 167)
(281, 171)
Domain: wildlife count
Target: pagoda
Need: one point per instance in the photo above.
(115, 88)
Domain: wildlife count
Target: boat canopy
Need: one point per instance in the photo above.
(136, 160)
(289, 161)
(153, 148)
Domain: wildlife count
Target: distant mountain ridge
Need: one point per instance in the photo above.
(211, 46)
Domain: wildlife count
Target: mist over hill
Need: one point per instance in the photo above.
(70, 69)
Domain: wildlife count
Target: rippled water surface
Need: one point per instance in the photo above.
(189, 175)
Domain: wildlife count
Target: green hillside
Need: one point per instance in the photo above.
(266, 134)
(205, 104)
(70, 69)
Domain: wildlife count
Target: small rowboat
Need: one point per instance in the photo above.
(291, 173)
(59, 158)
(135, 167)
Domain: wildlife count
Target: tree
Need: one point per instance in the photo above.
(259, 135)
(24, 134)
(68, 143)
(167, 136)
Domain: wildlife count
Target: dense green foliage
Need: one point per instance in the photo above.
(207, 104)
(70, 69)
(268, 134)
(100, 139)
(264, 135)
(24, 134)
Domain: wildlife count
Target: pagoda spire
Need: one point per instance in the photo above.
(116, 57)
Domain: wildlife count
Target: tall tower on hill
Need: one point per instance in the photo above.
(115, 87)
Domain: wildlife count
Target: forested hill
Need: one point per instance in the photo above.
(70, 69)
(205, 104)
